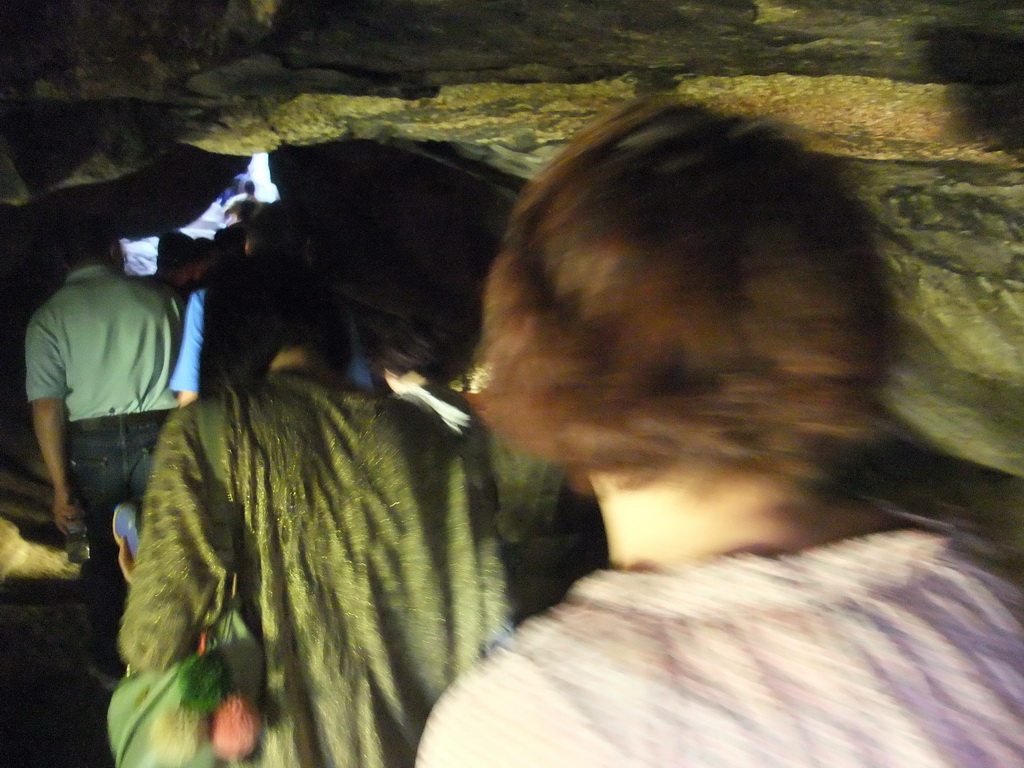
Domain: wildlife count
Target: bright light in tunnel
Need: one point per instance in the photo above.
(140, 255)
(259, 172)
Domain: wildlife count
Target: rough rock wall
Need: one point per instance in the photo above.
(176, 50)
(954, 239)
(124, 80)
(926, 95)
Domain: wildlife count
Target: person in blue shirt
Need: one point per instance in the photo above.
(270, 237)
(185, 379)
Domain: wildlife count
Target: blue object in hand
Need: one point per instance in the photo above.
(126, 526)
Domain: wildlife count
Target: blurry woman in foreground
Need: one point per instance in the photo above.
(689, 309)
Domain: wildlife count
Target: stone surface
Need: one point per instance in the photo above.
(227, 75)
(854, 116)
(954, 238)
(926, 95)
(51, 145)
(82, 49)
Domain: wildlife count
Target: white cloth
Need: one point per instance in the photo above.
(454, 418)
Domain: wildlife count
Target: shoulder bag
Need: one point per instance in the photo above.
(201, 710)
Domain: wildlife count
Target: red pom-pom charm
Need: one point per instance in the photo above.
(235, 728)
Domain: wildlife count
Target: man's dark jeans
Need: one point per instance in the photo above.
(109, 465)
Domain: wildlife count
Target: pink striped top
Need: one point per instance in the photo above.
(888, 651)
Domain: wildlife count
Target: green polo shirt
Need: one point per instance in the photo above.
(105, 343)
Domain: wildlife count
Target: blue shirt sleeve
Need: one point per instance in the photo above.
(186, 372)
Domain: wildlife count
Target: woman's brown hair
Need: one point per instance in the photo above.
(680, 285)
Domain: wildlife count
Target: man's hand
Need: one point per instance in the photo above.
(126, 561)
(65, 512)
(49, 419)
(185, 397)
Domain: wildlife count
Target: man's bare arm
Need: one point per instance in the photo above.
(50, 422)
(185, 397)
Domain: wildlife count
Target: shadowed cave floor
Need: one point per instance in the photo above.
(51, 712)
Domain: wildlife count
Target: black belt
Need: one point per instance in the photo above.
(119, 420)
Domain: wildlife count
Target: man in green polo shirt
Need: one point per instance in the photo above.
(98, 355)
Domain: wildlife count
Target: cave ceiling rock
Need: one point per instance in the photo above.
(52, 145)
(82, 49)
(247, 75)
(516, 127)
(854, 116)
(927, 97)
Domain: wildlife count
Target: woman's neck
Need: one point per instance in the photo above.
(309, 363)
(690, 516)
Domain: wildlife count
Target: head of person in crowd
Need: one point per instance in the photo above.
(684, 292)
(273, 237)
(269, 302)
(242, 208)
(268, 320)
(277, 233)
(91, 240)
(176, 255)
(50, 253)
(411, 348)
(203, 259)
(229, 243)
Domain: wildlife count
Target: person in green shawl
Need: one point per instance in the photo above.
(366, 554)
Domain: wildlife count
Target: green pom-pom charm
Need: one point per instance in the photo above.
(204, 682)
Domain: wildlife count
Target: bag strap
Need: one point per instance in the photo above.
(210, 420)
(483, 500)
